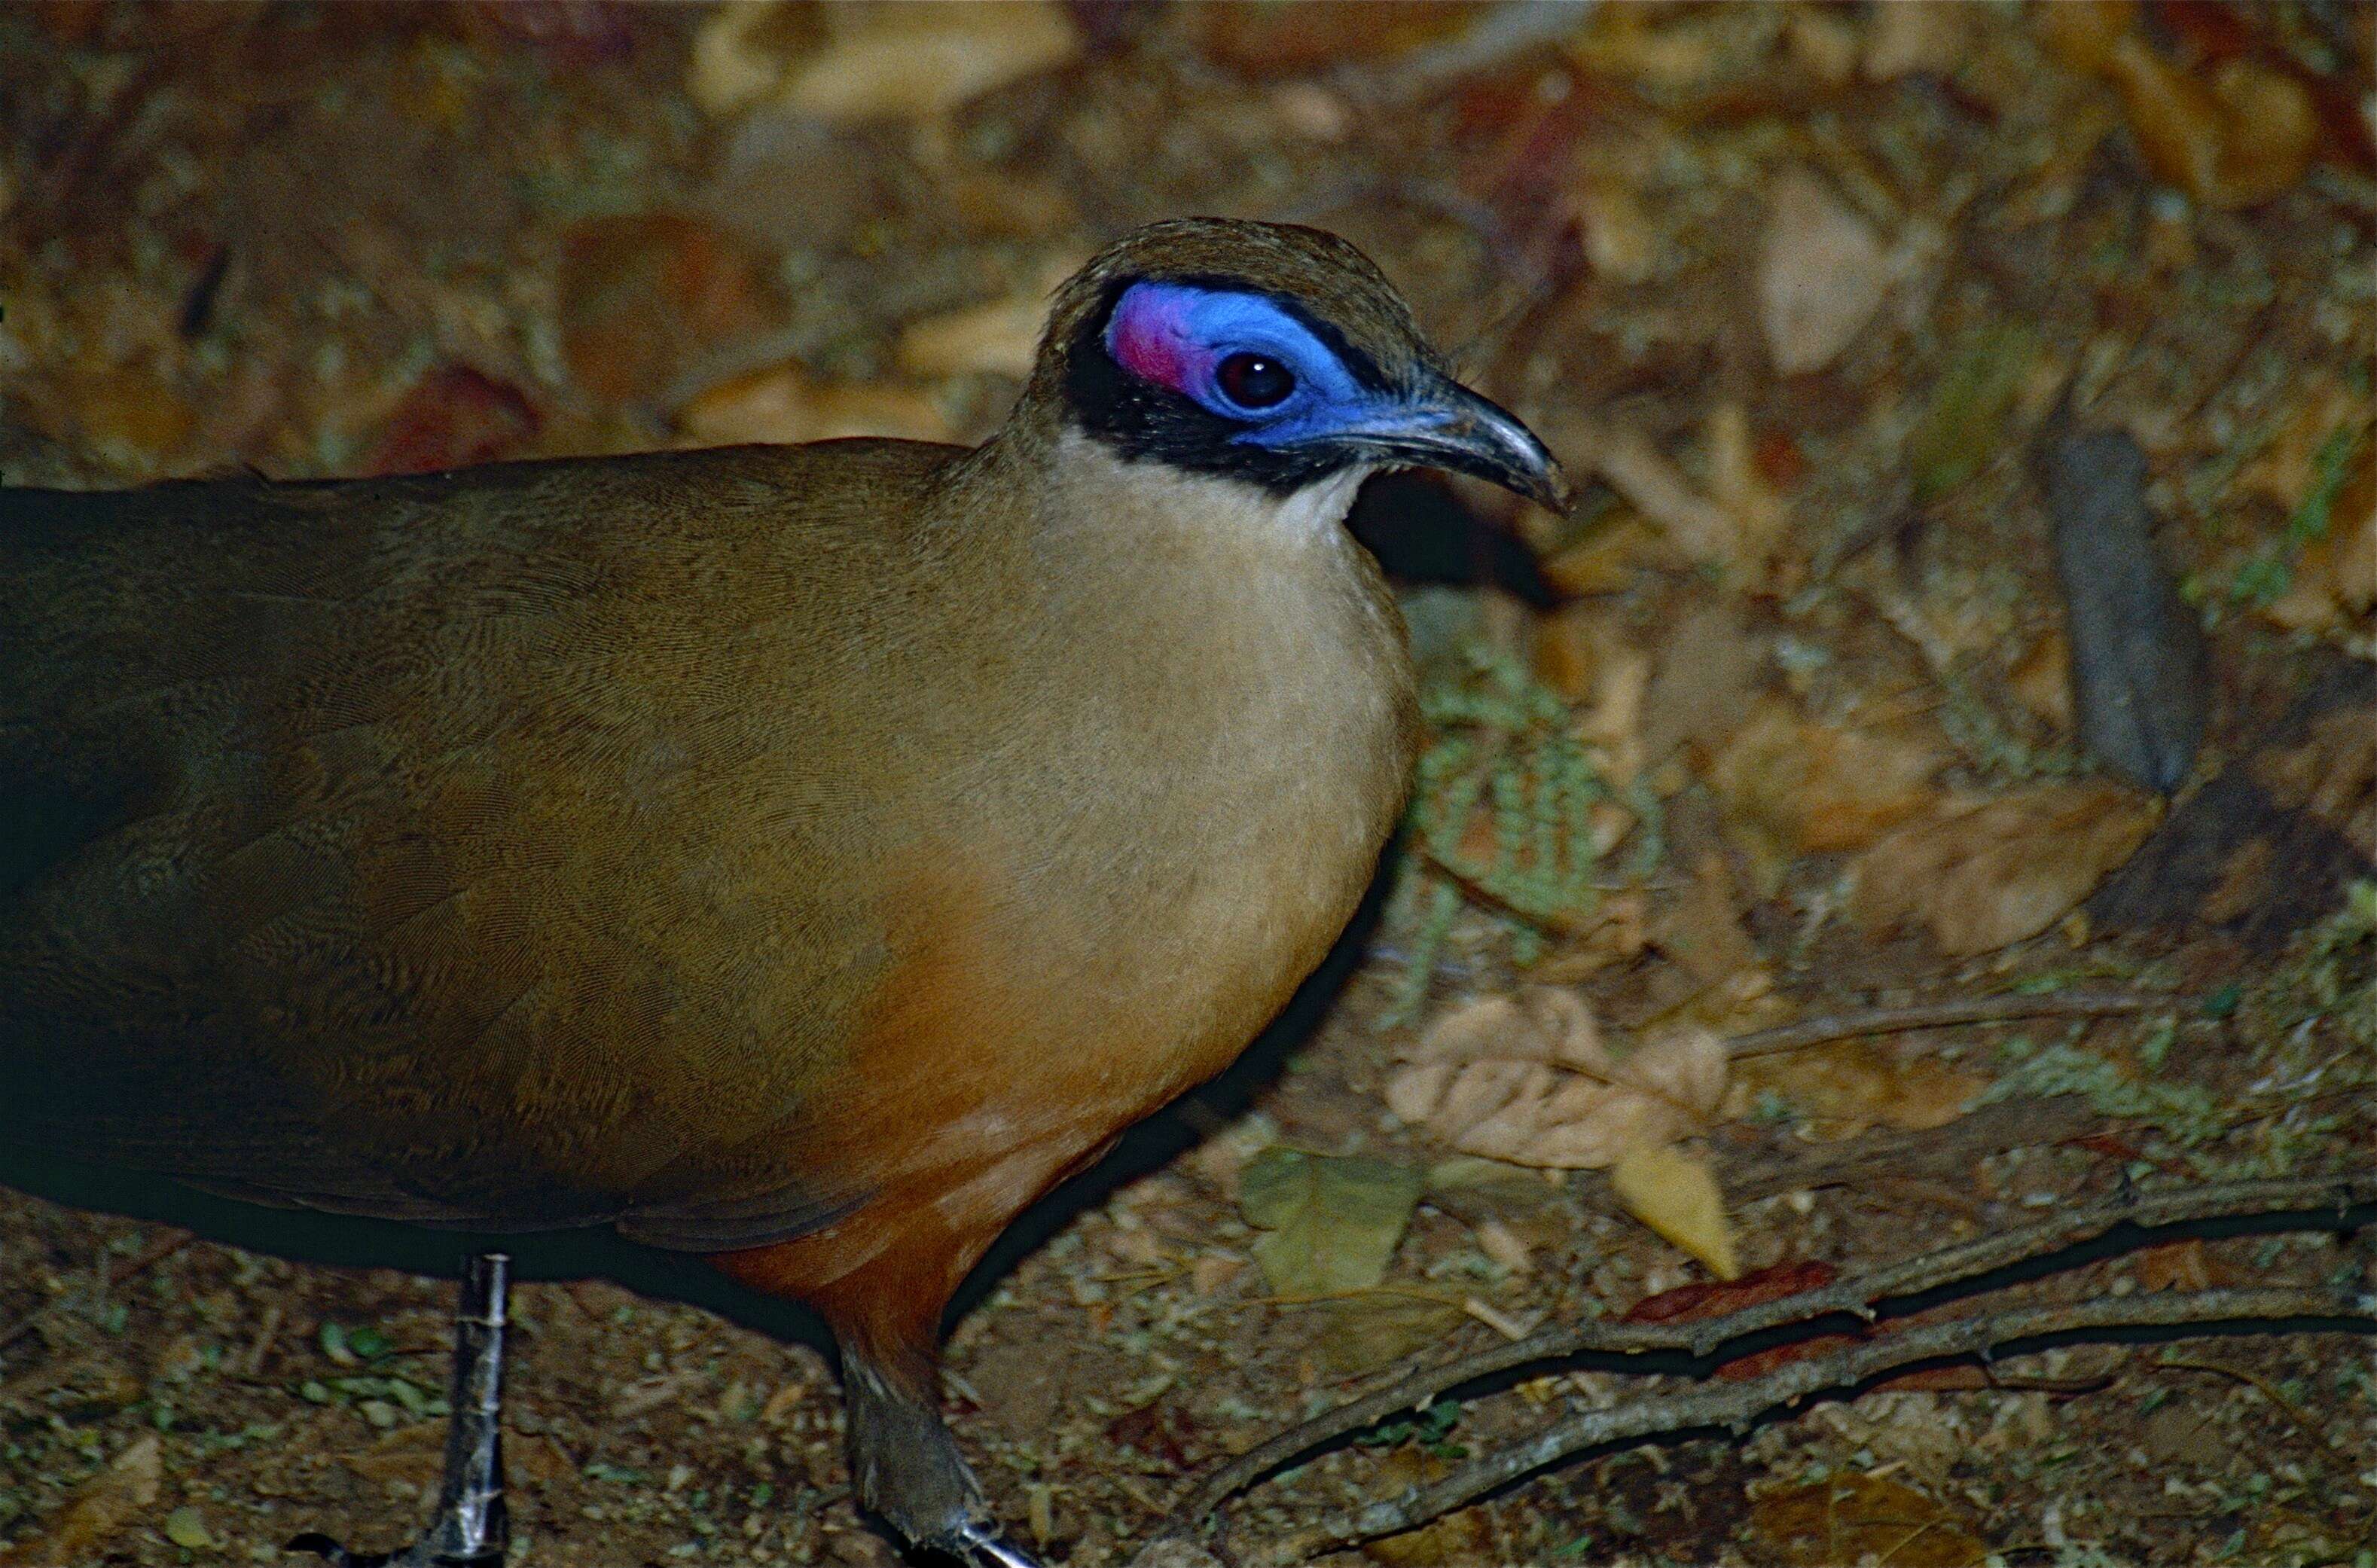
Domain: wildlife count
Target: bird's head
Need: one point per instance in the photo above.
(1272, 354)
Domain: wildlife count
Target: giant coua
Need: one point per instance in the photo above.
(799, 857)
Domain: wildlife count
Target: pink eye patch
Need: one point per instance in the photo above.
(1150, 337)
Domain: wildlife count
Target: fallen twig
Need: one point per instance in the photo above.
(1748, 1176)
(1735, 1406)
(168, 1242)
(1941, 1014)
(1862, 1296)
(1551, 921)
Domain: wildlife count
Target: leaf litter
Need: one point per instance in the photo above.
(1782, 750)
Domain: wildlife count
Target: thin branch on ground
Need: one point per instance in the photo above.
(1861, 1296)
(2278, 1401)
(168, 1243)
(2025, 1123)
(1834, 1026)
(1551, 922)
(1735, 1407)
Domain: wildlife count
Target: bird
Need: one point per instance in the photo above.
(798, 857)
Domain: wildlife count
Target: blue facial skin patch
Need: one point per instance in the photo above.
(1177, 335)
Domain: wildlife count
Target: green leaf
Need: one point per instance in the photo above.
(185, 1527)
(1332, 1224)
(2334, 464)
(1966, 423)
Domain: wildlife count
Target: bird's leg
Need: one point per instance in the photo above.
(886, 1314)
(907, 1468)
(471, 1528)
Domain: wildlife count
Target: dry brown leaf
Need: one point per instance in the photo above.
(1701, 931)
(876, 62)
(2289, 464)
(2329, 587)
(1675, 1194)
(454, 416)
(97, 1513)
(1702, 530)
(2332, 579)
(1378, 1328)
(1456, 1541)
(1705, 680)
(132, 419)
(1001, 336)
(1822, 274)
(1857, 1518)
(1612, 719)
(1703, 1300)
(780, 404)
(1616, 936)
(1526, 1078)
(2041, 681)
(2082, 32)
(2242, 137)
(2352, 539)
(1518, 1207)
(1850, 1087)
(1982, 873)
(1760, 516)
(739, 52)
(1568, 650)
(1212, 1271)
(1619, 239)
(1792, 786)
(1902, 40)
(411, 1452)
(2332, 773)
(1608, 560)
(1663, 46)
(1504, 1246)
(1313, 35)
(1822, 45)
(645, 295)
(2177, 1266)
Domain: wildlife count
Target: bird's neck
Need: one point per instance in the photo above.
(1138, 504)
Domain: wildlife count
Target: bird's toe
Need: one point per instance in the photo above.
(417, 1555)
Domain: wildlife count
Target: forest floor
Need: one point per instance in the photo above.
(1779, 726)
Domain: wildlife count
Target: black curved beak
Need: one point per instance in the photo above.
(1444, 425)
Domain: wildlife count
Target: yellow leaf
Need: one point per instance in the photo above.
(1675, 1194)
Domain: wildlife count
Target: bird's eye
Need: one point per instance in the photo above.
(1250, 380)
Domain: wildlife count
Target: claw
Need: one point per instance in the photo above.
(330, 1551)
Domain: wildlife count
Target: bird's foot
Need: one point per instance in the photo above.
(470, 1528)
(419, 1554)
(980, 1546)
